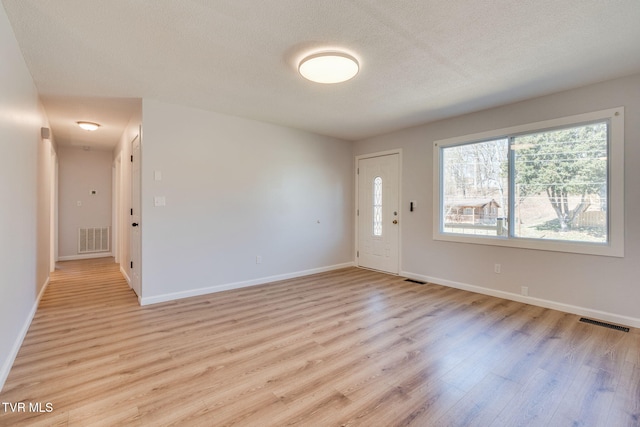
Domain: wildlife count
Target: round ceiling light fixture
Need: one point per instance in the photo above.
(329, 67)
(90, 126)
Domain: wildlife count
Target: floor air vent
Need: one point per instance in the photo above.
(415, 281)
(606, 325)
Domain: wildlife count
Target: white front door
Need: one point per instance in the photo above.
(378, 213)
(135, 217)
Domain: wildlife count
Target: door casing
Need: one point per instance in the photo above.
(136, 232)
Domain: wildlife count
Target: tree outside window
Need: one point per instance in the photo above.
(549, 185)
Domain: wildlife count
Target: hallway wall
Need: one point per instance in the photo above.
(81, 172)
(24, 241)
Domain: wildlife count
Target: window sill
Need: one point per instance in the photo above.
(599, 249)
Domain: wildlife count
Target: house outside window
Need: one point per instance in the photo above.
(554, 185)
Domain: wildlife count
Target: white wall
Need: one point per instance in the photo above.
(600, 286)
(46, 168)
(81, 171)
(237, 188)
(23, 231)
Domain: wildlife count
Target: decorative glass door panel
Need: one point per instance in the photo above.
(377, 206)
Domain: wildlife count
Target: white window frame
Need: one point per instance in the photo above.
(615, 245)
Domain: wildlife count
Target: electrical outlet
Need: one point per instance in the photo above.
(497, 268)
(258, 259)
(524, 290)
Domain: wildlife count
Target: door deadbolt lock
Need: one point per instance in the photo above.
(395, 221)
(135, 224)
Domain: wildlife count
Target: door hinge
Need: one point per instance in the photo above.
(131, 211)
(358, 171)
(357, 254)
(131, 264)
(132, 158)
(358, 212)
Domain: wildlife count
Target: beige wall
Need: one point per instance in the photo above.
(604, 287)
(46, 166)
(80, 172)
(24, 213)
(235, 189)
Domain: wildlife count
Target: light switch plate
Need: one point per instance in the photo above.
(159, 201)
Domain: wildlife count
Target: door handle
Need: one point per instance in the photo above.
(135, 224)
(395, 221)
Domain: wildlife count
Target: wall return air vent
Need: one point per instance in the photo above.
(93, 239)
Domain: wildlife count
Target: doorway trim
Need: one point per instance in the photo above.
(116, 209)
(135, 237)
(397, 151)
(53, 209)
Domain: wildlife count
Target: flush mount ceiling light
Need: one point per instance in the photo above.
(90, 126)
(329, 67)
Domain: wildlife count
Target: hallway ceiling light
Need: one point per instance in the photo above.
(90, 126)
(329, 67)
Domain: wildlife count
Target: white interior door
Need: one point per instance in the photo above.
(378, 213)
(135, 217)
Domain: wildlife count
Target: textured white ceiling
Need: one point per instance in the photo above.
(421, 60)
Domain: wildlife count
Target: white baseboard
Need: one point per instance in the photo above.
(8, 363)
(128, 279)
(85, 256)
(126, 276)
(228, 286)
(567, 308)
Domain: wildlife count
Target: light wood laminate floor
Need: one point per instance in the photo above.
(348, 347)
